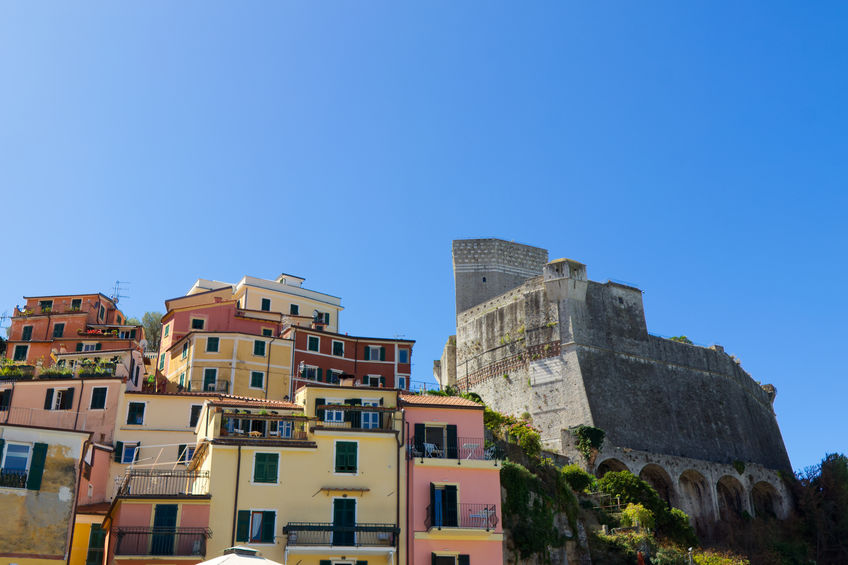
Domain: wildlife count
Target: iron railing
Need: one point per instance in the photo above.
(218, 386)
(471, 516)
(470, 448)
(318, 534)
(355, 417)
(153, 482)
(162, 541)
(13, 479)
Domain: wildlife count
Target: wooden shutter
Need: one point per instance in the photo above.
(463, 560)
(319, 413)
(119, 451)
(48, 399)
(268, 519)
(367, 355)
(382, 353)
(353, 416)
(432, 505)
(36, 467)
(418, 442)
(79, 346)
(243, 525)
(271, 467)
(432, 559)
(325, 562)
(320, 373)
(450, 510)
(98, 346)
(68, 399)
(2, 444)
(452, 454)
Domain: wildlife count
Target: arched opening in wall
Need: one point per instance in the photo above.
(731, 496)
(608, 465)
(695, 500)
(765, 500)
(657, 477)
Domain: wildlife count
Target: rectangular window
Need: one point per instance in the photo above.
(210, 378)
(130, 452)
(118, 319)
(16, 458)
(59, 399)
(313, 343)
(294, 309)
(182, 379)
(76, 304)
(333, 416)
(162, 362)
(5, 399)
(102, 312)
(375, 353)
(257, 379)
(26, 333)
(185, 350)
(326, 318)
(265, 467)
(21, 352)
(58, 330)
(98, 398)
(284, 429)
(194, 415)
(212, 344)
(185, 453)
(370, 420)
(403, 356)
(266, 305)
(167, 330)
(443, 506)
(333, 376)
(338, 348)
(346, 456)
(259, 348)
(46, 305)
(401, 383)
(267, 332)
(310, 373)
(256, 526)
(135, 414)
(197, 323)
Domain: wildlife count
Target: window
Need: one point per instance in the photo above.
(182, 379)
(26, 333)
(16, 458)
(313, 343)
(5, 399)
(266, 305)
(256, 526)
(194, 415)
(403, 356)
(76, 303)
(21, 352)
(58, 330)
(375, 353)
(338, 348)
(118, 319)
(452, 559)
(102, 312)
(257, 379)
(370, 420)
(197, 323)
(436, 441)
(374, 380)
(210, 378)
(310, 373)
(259, 348)
(185, 350)
(135, 414)
(333, 416)
(265, 467)
(96, 543)
(167, 330)
(443, 506)
(185, 453)
(401, 383)
(294, 309)
(333, 376)
(346, 456)
(161, 361)
(285, 428)
(59, 399)
(212, 344)
(266, 332)
(88, 347)
(98, 398)
(45, 305)
(325, 317)
(127, 452)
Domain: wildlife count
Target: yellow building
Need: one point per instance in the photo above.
(309, 482)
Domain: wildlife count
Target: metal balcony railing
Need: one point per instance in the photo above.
(470, 516)
(218, 386)
(13, 479)
(469, 448)
(176, 542)
(325, 534)
(354, 417)
(156, 483)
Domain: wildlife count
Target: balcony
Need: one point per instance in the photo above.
(354, 417)
(11, 372)
(174, 542)
(88, 421)
(468, 516)
(262, 425)
(217, 386)
(13, 479)
(324, 534)
(155, 483)
(466, 448)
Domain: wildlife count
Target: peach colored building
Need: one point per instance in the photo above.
(453, 484)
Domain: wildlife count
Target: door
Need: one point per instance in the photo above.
(164, 529)
(344, 521)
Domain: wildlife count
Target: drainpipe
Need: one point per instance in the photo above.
(408, 521)
(235, 498)
(79, 404)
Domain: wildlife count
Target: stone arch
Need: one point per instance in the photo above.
(765, 500)
(695, 500)
(731, 498)
(611, 464)
(658, 478)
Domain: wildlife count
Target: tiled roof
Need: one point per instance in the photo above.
(247, 402)
(183, 393)
(436, 400)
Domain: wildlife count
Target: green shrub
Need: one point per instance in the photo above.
(589, 440)
(637, 515)
(578, 479)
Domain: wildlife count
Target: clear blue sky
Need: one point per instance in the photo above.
(695, 149)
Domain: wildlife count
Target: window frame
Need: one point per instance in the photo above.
(401, 379)
(267, 332)
(217, 344)
(371, 402)
(135, 446)
(26, 333)
(317, 339)
(105, 397)
(18, 357)
(294, 309)
(403, 352)
(192, 416)
(215, 384)
(143, 412)
(194, 319)
(338, 413)
(262, 304)
(254, 480)
(166, 330)
(333, 348)
(8, 444)
(256, 343)
(61, 327)
(252, 374)
(336, 470)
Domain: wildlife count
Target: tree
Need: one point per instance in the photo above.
(152, 322)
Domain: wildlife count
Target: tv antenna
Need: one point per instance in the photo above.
(4, 319)
(116, 292)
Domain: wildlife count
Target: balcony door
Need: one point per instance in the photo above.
(344, 521)
(164, 529)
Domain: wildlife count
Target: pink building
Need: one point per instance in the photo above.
(453, 484)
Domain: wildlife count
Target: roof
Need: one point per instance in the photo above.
(247, 402)
(436, 400)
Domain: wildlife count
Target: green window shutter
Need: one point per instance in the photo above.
(98, 346)
(367, 355)
(79, 347)
(383, 381)
(419, 438)
(320, 374)
(452, 451)
(119, 451)
(2, 444)
(319, 413)
(132, 334)
(36, 467)
(259, 468)
(382, 353)
(268, 519)
(243, 525)
(68, 399)
(325, 562)
(463, 560)
(48, 399)
(271, 467)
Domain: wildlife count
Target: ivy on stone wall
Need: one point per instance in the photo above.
(589, 440)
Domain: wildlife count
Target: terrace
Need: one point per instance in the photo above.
(326, 534)
(141, 483)
(262, 425)
(353, 417)
(174, 542)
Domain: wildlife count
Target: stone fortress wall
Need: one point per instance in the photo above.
(570, 351)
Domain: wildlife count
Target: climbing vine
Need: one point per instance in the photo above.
(589, 440)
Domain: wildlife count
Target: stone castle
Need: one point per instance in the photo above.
(539, 338)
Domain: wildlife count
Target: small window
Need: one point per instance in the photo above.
(98, 398)
(212, 345)
(267, 332)
(162, 362)
(401, 383)
(259, 348)
(257, 379)
(310, 373)
(59, 399)
(266, 305)
(167, 330)
(130, 452)
(5, 399)
(135, 414)
(46, 305)
(332, 416)
(197, 323)
(194, 415)
(16, 458)
(403, 356)
(313, 343)
(58, 330)
(346, 456)
(185, 453)
(326, 316)
(210, 379)
(265, 467)
(338, 348)
(102, 312)
(294, 309)
(182, 379)
(21, 352)
(333, 376)
(185, 350)
(76, 304)
(26, 333)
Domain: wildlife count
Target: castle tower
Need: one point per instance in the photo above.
(485, 268)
